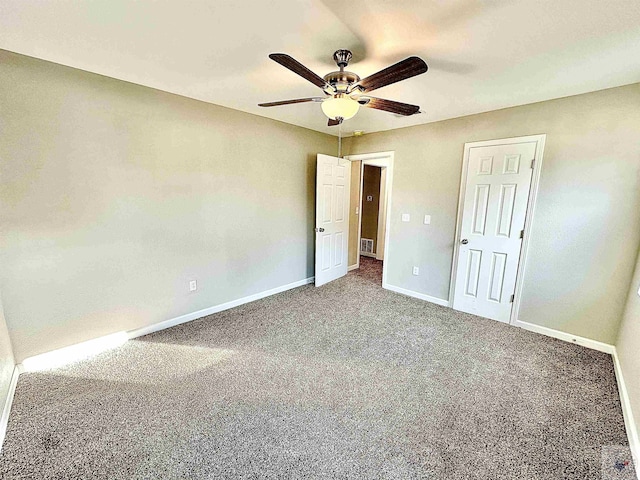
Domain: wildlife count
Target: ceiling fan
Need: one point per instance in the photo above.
(345, 91)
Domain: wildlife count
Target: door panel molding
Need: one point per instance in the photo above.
(510, 165)
(332, 218)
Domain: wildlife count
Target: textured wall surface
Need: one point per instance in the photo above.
(586, 228)
(114, 196)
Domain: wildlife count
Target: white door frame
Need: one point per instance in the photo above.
(382, 214)
(383, 160)
(531, 204)
(382, 206)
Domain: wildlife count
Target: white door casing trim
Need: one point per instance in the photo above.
(384, 160)
(382, 215)
(533, 193)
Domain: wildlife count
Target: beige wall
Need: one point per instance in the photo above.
(370, 186)
(115, 196)
(586, 228)
(628, 345)
(7, 362)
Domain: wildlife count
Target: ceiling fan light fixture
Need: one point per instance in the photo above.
(340, 106)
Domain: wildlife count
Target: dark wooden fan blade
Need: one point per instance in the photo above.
(391, 106)
(296, 67)
(407, 68)
(288, 102)
(333, 122)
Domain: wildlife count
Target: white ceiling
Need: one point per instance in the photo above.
(483, 54)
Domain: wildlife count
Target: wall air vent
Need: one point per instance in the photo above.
(366, 245)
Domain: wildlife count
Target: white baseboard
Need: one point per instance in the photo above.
(629, 422)
(4, 419)
(64, 355)
(365, 254)
(74, 352)
(353, 267)
(215, 309)
(421, 296)
(630, 425)
(567, 337)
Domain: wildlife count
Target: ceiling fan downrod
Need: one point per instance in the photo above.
(339, 82)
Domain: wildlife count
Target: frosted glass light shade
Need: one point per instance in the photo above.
(340, 106)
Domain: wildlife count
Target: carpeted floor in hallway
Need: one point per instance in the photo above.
(343, 381)
(370, 270)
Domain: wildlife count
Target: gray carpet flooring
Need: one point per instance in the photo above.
(343, 381)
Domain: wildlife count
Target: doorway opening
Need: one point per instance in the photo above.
(369, 229)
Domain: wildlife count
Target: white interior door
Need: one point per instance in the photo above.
(497, 188)
(332, 218)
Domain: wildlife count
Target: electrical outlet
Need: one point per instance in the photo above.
(406, 217)
(416, 271)
(193, 286)
(357, 210)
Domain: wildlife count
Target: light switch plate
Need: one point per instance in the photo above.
(427, 219)
(406, 217)
(357, 210)
(639, 292)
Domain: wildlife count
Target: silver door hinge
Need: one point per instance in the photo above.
(521, 233)
(533, 163)
(513, 297)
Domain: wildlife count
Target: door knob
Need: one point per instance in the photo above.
(320, 229)
(464, 241)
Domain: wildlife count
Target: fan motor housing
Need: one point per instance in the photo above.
(341, 80)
